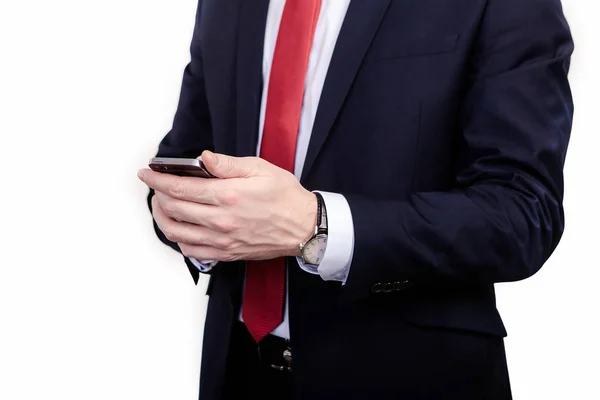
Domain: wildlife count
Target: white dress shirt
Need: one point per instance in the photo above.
(336, 262)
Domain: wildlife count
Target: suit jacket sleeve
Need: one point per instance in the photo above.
(502, 216)
(191, 132)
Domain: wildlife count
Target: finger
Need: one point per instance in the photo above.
(162, 220)
(215, 218)
(198, 190)
(225, 166)
(185, 211)
(165, 223)
(191, 234)
(203, 252)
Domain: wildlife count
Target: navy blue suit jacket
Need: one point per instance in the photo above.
(445, 124)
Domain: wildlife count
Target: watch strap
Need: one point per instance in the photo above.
(321, 214)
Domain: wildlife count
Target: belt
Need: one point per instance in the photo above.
(273, 352)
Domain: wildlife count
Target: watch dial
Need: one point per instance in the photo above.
(315, 250)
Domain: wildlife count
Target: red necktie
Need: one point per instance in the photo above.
(265, 280)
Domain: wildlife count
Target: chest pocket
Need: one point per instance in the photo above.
(415, 46)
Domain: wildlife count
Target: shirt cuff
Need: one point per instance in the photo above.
(204, 266)
(337, 259)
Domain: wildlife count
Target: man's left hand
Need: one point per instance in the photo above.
(256, 211)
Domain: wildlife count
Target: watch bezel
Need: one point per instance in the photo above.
(316, 238)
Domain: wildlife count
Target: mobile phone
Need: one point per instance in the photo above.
(180, 166)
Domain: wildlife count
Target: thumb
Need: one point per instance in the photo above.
(224, 166)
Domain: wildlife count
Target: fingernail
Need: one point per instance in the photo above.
(141, 174)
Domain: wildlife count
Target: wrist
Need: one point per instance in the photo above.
(308, 223)
(313, 250)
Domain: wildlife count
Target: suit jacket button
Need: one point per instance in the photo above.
(388, 287)
(399, 286)
(377, 288)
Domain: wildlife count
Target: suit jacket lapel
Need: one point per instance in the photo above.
(362, 21)
(251, 35)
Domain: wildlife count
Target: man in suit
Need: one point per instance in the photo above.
(382, 164)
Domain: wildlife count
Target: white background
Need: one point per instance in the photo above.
(92, 306)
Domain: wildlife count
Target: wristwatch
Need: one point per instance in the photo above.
(313, 250)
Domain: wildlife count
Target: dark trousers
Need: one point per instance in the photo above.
(250, 372)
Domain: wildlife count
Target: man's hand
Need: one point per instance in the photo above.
(256, 211)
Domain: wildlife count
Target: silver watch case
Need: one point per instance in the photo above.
(314, 250)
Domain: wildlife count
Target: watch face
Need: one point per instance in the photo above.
(314, 250)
